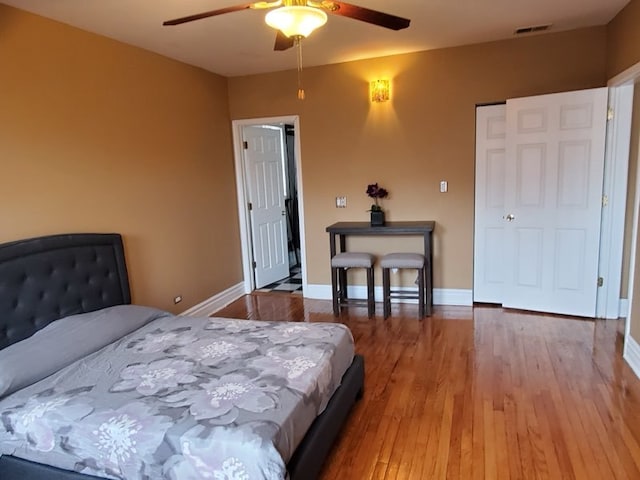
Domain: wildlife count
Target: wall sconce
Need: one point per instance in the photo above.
(379, 90)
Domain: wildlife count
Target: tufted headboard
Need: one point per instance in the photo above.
(47, 278)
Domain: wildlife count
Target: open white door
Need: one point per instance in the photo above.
(539, 176)
(263, 157)
(553, 197)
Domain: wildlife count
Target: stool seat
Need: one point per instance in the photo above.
(340, 263)
(402, 260)
(415, 261)
(352, 260)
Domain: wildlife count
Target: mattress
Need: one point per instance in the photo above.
(137, 393)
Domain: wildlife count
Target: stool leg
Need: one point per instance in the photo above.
(334, 291)
(343, 283)
(429, 285)
(371, 301)
(421, 299)
(386, 293)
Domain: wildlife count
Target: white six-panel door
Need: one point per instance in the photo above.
(489, 259)
(553, 194)
(265, 179)
(553, 168)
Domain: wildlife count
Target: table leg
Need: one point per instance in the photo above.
(332, 244)
(428, 254)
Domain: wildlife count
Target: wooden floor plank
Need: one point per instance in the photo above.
(479, 393)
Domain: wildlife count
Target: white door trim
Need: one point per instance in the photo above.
(625, 78)
(616, 170)
(243, 214)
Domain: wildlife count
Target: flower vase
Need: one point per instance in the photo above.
(377, 218)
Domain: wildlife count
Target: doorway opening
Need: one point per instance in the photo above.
(268, 180)
(293, 282)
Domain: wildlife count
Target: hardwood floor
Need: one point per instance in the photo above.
(479, 393)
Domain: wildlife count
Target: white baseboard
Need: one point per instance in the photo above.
(441, 296)
(215, 303)
(631, 354)
(623, 309)
(453, 296)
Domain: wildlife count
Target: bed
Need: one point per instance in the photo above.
(66, 298)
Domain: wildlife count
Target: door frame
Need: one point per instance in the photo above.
(617, 84)
(612, 226)
(244, 219)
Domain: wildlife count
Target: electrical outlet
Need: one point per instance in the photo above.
(341, 202)
(444, 186)
(177, 299)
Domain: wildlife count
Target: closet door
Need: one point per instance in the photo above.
(489, 261)
(553, 173)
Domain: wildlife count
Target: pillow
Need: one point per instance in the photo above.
(66, 340)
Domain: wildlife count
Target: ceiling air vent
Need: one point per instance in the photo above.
(532, 29)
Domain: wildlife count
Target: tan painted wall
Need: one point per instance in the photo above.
(99, 136)
(623, 39)
(634, 158)
(423, 135)
(631, 194)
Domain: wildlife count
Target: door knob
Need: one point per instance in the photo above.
(510, 218)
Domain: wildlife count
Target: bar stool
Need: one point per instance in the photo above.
(401, 261)
(340, 263)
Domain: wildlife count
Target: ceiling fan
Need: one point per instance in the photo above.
(295, 19)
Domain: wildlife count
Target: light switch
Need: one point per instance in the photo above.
(444, 186)
(341, 202)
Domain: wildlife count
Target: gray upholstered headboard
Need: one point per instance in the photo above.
(47, 278)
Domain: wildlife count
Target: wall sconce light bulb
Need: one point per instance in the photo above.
(380, 90)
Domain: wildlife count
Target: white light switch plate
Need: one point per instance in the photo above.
(444, 186)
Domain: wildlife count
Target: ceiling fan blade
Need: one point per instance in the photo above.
(212, 13)
(283, 42)
(366, 15)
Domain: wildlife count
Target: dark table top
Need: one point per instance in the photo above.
(389, 228)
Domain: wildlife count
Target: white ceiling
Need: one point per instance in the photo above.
(240, 43)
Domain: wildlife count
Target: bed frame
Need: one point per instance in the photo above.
(47, 278)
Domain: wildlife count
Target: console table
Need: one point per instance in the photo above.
(425, 228)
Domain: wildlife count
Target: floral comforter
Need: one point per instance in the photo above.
(182, 398)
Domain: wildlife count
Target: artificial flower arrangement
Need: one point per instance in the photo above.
(377, 214)
(376, 192)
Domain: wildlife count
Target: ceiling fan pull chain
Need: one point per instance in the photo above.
(299, 52)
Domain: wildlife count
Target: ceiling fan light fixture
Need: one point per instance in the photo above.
(296, 20)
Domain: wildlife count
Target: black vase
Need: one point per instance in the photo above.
(377, 218)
